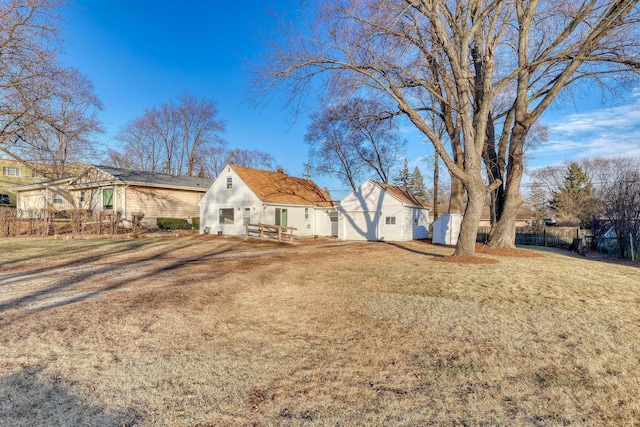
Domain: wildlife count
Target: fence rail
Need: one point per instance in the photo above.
(552, 236)
(274, 231)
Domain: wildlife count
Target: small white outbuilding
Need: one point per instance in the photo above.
(446, 229)
(379, 211)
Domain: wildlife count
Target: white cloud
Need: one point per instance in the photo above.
(613, 132)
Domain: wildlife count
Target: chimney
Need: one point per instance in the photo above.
(280, 170)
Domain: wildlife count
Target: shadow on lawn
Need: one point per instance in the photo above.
(117, 244)
(415, 251)
(27, 401)
(88, 273)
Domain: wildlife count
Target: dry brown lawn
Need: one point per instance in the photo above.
(203, 331)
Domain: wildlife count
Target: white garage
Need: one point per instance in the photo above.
(379, 211)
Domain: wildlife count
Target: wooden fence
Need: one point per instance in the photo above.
(274, 231)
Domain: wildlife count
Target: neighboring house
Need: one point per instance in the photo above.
(104, 188)
(14, 174)
(32, 198)
(241, 196)
(446, 228)
(378, 211)
(524, 216)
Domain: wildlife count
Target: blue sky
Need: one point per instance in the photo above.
(140, 54)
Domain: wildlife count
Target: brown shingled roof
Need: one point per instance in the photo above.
(401, 194)
(278, 187)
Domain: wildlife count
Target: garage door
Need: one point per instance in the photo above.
(361, 225)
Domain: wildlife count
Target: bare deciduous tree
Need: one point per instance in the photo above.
(493, 67)
(28, 59)
(172, 137)
(215, 158)
(354, 139)
(67, 124)
(621, 204)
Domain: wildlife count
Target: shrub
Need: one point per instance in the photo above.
(172, 224)
(196, 223)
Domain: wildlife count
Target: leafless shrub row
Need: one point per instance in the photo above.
(43, 222)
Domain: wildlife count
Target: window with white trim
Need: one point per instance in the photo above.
(229, 183)
(57, 199)
(306, 214)
(10, 171)
(390, 220)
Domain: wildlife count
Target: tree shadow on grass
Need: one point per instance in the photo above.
(25, 400)
(87, 274)
(415, 251)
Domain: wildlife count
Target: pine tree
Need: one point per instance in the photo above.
(403, 179)
(418, 188)
(575, 197)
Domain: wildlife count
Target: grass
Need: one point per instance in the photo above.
(210, 331)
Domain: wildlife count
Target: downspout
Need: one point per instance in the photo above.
(124, 202)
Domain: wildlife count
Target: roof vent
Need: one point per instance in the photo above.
(280, 170)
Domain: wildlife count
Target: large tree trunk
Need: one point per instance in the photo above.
(456, 198)
(503, 231)
(469, 229)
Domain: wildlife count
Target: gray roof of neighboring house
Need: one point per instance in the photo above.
(41, 184)
(154, 179)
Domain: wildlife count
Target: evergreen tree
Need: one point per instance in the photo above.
(418, 188)
(575, 198)
(403, 179)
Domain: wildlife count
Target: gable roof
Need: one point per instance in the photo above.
(401, 194)
(146, 179)
(280, 188)
(42, 184)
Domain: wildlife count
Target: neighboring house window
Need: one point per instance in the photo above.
(8, 171)
(226, 216)
(57, 199)
(36, 174)
(246, 217)
(390, 220)
(229, 183)
(107, 198)
(306, 214)
(82, 197)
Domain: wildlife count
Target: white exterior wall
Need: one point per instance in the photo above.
(237, 198)
(364, 213)
(420, 223)
(446, 229)
(240, 196)
(324, 225)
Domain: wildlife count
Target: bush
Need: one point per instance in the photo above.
(196, 223)
(172, 224)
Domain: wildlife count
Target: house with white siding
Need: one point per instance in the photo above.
(241, 196)
(379, 211)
